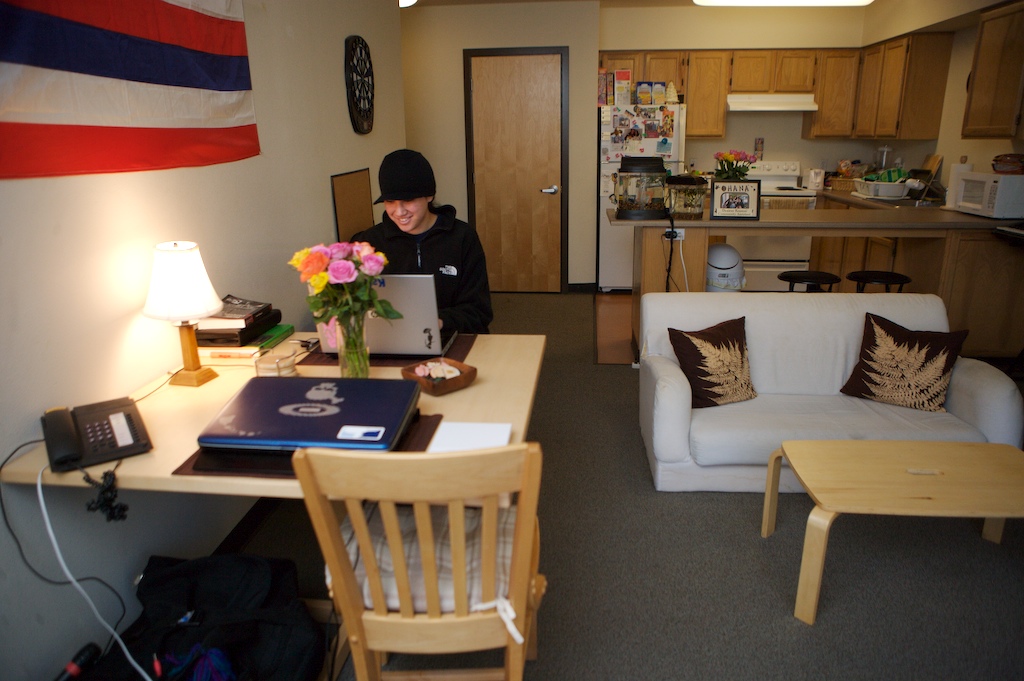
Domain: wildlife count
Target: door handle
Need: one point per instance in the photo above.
(553, 189)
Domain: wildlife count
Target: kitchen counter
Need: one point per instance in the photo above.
(848, 199)
(953, 255)
(774, 221)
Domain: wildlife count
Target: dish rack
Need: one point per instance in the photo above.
(887, 190)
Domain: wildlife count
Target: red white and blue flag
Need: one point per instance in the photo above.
(100, 86)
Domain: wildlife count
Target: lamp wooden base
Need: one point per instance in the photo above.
(194, 374)
(193, 378)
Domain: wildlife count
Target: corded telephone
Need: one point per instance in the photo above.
(93, 433)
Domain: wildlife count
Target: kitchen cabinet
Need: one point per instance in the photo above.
(996, 83)
(902, 85)
(868, 88)
(767, 71)
(835, 91)
(984, 295)
(618, 61)
(701, 78)
(707, 84)
(667, 66)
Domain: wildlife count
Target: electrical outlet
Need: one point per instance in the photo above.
(679, 234)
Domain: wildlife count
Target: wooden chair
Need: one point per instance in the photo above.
(450, 509)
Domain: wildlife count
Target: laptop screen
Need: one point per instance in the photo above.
(416, 334)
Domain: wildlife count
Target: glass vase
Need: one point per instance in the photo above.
(353, 354)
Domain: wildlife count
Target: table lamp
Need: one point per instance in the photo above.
(180, 292)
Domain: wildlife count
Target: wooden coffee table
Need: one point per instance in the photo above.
(893, 477)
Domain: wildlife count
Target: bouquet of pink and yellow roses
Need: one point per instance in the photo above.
(342, 290)
(733, 165)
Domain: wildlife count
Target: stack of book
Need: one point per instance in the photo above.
(244, 328)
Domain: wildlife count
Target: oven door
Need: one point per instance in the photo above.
(788, 202)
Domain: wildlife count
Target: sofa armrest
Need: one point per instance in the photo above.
(665, 404)
(988, 399)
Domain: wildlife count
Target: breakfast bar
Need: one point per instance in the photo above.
(956, 256)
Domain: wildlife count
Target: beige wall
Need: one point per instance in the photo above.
(433, 40)
(884, 19)
(715, 28)
(75, 256)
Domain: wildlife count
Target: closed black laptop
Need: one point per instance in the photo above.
(283, 414)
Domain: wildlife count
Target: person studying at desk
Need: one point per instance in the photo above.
(421, 238)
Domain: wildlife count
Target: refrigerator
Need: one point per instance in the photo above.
(633, 130)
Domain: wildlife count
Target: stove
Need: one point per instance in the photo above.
(764, 257)
(780, 178)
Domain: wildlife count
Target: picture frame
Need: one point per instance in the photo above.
(735, 200)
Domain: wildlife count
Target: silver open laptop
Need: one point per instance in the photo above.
(417, 333)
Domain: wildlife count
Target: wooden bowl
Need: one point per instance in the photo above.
(444, 386)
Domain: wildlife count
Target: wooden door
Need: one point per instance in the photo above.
(794, 71)
(867, 92)
(836, 94)
(752, 70)
(890, 93)
(707, 83)
(517, 157)
(666, 66)
(996, 84)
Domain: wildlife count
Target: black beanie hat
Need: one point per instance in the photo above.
(405, 175)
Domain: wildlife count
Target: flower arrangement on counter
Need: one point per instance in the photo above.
(733, 165)
(341, 278)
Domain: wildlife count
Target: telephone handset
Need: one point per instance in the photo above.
(93, 434)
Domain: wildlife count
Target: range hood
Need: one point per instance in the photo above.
(776, 102)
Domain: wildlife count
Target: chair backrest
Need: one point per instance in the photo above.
(392, 591)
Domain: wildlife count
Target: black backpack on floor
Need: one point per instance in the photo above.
(239, 608)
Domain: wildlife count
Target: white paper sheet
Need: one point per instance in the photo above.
(456, 436)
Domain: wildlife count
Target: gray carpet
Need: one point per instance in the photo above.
(647, 585)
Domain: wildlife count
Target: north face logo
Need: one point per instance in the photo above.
(449, 270)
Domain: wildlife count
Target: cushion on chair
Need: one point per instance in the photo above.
(903, 367)
(715, 363)
(439, 518)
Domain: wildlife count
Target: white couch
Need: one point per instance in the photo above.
(802, 348)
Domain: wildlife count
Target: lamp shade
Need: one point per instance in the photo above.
(179, 288)
(406, 3)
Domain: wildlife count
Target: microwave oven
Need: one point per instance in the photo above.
(991, 195)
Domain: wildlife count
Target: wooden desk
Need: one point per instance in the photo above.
(508, 368)
(893, 477)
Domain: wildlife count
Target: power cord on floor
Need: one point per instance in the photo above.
(74, 582)
(31, 568)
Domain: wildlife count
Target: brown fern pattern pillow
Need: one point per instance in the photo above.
(903, 367)
(715, 362)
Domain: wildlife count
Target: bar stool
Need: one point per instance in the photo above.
(813, 278)
(881, 277)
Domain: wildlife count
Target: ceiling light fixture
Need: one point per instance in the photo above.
(406, 3)
(782, 3)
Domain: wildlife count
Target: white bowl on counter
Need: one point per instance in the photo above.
(884, 190)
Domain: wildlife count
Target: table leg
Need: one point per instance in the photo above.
(992, 530)
(771, 493)
(813, 563)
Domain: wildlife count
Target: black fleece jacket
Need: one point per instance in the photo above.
(451, 251)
